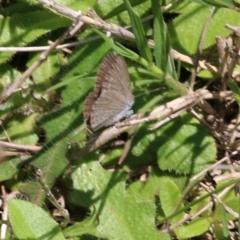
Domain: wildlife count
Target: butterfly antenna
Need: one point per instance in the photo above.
(150, 91)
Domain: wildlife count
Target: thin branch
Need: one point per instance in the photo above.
(202, 64)
(93, 19)
(173, 108)
(52, 199)
(4, 212)
(43, 48)
(19, 147)
(200, 47)
(127, 146)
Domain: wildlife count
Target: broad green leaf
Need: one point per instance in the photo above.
(185, 146)
(148, 190)
(196, 228)
(31, 222)
(9, 168)
(186, 30)
(118, 217)
(170, 196)
(83, 227)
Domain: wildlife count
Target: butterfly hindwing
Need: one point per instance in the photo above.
(109, 109)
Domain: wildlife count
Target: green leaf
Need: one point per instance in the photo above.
(83, 227)
(9, 168)
(185, 146)
(236, 90)
(139, 33)
(185, 30)
(153, 187)
(170, 196)
(30, 222)
(196, 228)
(117, 216)
(161, 41)
(226, 232)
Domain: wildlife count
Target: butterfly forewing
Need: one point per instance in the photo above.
(112, 97)
(101, 77)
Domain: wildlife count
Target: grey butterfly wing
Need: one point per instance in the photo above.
(104, 75)
(117, 79)
(101, 77)
(109, 109)
(115, 100)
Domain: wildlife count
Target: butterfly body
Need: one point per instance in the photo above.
(112, 99)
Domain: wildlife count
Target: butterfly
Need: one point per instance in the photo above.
(112, 98)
